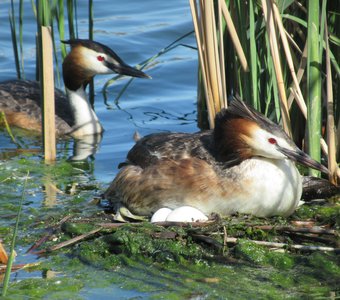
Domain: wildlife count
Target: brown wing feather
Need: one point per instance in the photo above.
(167, 183)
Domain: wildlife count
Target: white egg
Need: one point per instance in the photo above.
(161, 215)
(186, 214)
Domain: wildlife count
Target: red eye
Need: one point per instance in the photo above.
(272, 141)
(100, 58)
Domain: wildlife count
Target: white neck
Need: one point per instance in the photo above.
(85, 119)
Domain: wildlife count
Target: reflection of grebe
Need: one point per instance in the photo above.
(246, 165)
(20, 99)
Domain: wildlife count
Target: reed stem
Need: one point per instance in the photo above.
(14, 39)
(313, 84)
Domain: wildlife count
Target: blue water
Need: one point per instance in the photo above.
(136, 30)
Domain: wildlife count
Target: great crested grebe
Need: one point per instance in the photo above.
(245, 165)
(20, 99)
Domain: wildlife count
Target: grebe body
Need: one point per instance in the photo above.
(245, 165)
(20, 99)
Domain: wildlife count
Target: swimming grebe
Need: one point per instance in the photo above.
(20, 99)
(245, 165)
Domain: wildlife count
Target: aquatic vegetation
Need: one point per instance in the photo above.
(176, 261)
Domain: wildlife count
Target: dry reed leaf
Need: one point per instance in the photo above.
(202, 58)
(211, 51)
(332, 164)
(211, 61)
(270, 26)
(300, 73)
(291, 40)
(3, 255)
(300, 100)
(223, 99)
(17, 267)
(210, 38)
(303, 224)
(234, 37)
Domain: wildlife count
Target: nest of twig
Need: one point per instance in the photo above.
(218, 235)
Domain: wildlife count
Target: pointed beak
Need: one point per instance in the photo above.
(302, 158)
(124, 69)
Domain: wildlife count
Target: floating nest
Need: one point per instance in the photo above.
(313, 227)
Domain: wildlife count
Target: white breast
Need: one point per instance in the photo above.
(267, 187)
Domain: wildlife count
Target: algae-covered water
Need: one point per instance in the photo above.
(138, 261)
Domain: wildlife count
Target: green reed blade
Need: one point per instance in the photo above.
(76, 17)
(295, 19)
(314, 83)
(44, 13)
(61, 26)
(15, 234)
(14, 39)
(91, 20)
(303, 23)
(34, 8)
(242, 31)
(21, 17)
(54, 15)
(70, 16)
(253, 56)
(91, 85)
(56, 59)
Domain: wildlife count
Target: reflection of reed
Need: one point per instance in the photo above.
(162, 114)
(82, 148)
(50, 192)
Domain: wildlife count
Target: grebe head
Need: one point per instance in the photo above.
(88, 58)
(241, 133)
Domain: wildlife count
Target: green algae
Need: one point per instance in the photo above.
(58, 288)
(326, 266)
(213, 282)
(261, 255)
(139, 243)
(165, 263)
(328, 214)
(73, 229)
(185, 266)
(142, 241)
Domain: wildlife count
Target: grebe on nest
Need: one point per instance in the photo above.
(246, 164)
